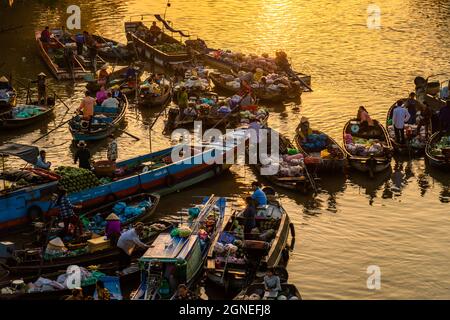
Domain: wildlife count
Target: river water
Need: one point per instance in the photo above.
(399, 221)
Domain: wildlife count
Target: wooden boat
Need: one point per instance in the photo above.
(359, 162)
(153, 52)
(112, 50)
(10, 120)
(100, 128)
(438, 159)
(325, 164)
(229, 67)
(288, 290)
(236, 273)
(263, 95)
(186, 255)
(105, 210)
(300, 183)
(29, 261)
(148, 100)
(56, 62)
(130, 274)
(407, 147)
(152, 172)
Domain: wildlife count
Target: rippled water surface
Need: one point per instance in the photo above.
(399, 221)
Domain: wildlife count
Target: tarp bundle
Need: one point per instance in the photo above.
(24, 152)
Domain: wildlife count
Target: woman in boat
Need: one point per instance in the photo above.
(272, 283)
(412, 105)
(66, 213)
(103, 76)
(364, 117)
(83, 156)
(42, 87)
(102, 292)
(113, 228)
(249, 215)
(101, 95)
(110, 102)
(303, 129)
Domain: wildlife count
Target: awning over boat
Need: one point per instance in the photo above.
(24, 152)
(168, 27)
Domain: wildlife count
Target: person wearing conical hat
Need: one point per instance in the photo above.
(303, 129)
(113, 228)
(55, 247)
(83, 156)
(42, 88)
(4, 84)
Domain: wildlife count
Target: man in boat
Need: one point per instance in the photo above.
(249, 215)
(110, 102)
(80, 41)
(400, 116)
(41, 162)
(112, 153)
(69, 57)
(272, 284)
(183, 293)
(412, 105)
(258, 195)
(444, 117)
(42, 87)
(87, 108)
(425, 119)
(155, 33)
(46, 38)
(83, 156)
(128, 241)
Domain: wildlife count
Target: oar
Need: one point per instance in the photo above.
(293, 74)
(57, 127)
(133, 136)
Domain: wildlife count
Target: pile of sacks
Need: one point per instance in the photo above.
(247, 62)
(248, 116)
(315, 142)
(290, 165)
(26, 111)
(363, 147)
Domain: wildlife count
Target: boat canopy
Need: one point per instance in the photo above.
(168, 249)
(24, 152)
(168, 27)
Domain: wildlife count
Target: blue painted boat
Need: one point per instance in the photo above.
(104, 123)
(173, 260)
(144, 173)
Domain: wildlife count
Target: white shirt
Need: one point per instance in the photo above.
(400, 116)
(111, 103)
(129, 240)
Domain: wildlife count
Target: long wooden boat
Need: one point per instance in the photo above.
(130, 274)
(259, 254)
(228, 67)
(326, 164)
(263, 95)
(153, 172)
(439, 159)
(148, 100)
(10, 120)
(186, 255)
(100, 129)
(407, 147)
(289, 291)
(29, 261)
(61, 72)
(359, 162)
(151, 52)
(300, 183)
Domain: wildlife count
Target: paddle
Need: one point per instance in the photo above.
(133, 136)
(57, 127)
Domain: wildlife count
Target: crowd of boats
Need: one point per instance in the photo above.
(222, 89)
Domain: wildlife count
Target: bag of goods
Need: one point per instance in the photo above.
(231, 248)
(194, 212)
(219, 248)
(348, 139)
(119, 208)
(226, 238)
(292, 151)
(184, 231)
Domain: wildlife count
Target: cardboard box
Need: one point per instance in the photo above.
(98, 244)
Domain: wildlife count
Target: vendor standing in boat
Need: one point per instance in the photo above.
(92, 49)
(426, 114)
(83, 156)
(112, 153)
(42, 87)
(113, 228)
(155, 33)
(128, 241)
(66, 213)
(400, 116)
(249, 215)
(41, 162)
(5, 85)
(46, 38)
(258, 195)
(412, 105)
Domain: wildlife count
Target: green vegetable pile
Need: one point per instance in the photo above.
(172, 48)
(76, 179)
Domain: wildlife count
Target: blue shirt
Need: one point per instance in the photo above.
(260, 197)
(400, 117)
(41, 164)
